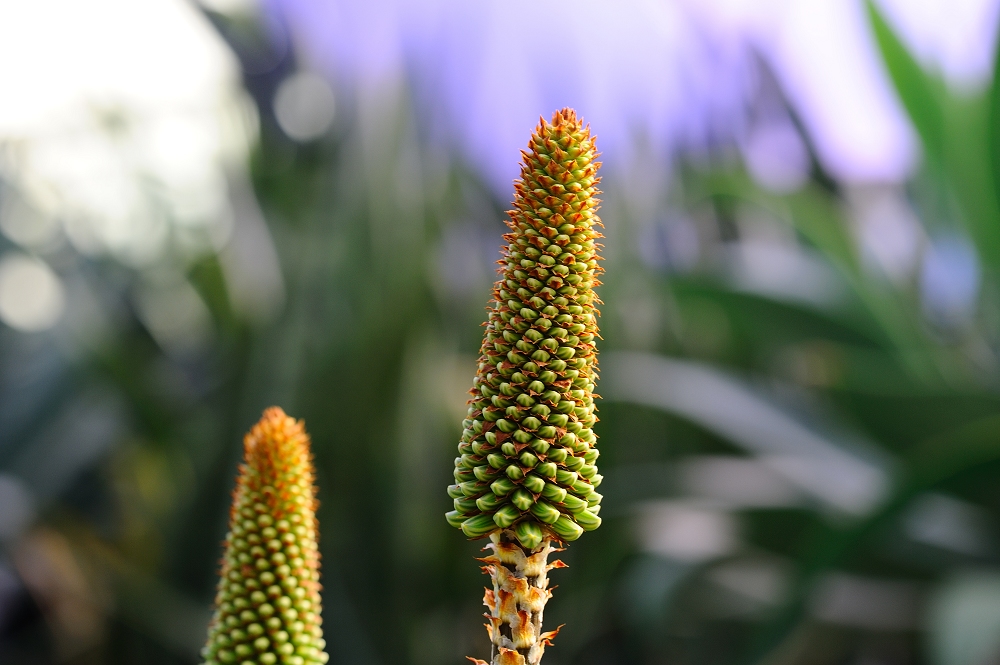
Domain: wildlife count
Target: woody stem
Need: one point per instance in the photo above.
(517, 599)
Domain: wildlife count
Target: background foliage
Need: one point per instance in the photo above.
(800, 447)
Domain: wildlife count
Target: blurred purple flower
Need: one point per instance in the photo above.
(650, 76)
(488, 70)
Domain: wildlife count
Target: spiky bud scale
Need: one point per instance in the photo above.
(267, 608)
(525, 475)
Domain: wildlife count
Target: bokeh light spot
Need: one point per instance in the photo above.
(304, 106)
(31, 295)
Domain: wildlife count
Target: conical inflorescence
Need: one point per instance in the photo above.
(526, 472)
(267, 608)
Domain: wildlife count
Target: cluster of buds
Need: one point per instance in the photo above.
(526, 473)
(527, 455)
(267, 608)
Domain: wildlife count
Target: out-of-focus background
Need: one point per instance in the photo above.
(206, 209)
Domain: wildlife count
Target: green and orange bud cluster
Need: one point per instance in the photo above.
(527, 455)
(267, 608)
(526, 473)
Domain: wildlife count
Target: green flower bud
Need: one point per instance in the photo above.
(533, 483)
(539, 446)
(502, 486)
(485, 472)
(528, 459)
(557, 455)
(537, 386)
(566, 406)
(547, 432)
(574, 463)
(558, 419)
(521, 436)
(553, 492)
(588, 471)
(567, 529)
(466, 505)
(529, 534)
(508, 449)
(455, 491)
(573, 504)
(522, 499)
(582, 488)
(531, 423)
(587, 520)
(565, 352)
(540, 410)
(545, 512)
(547, 469)
(565, 478)
(506, 426)
(506, 515)
(471, 488)
(478, 526)
(489, 502)
(514, 472)
(496, 461)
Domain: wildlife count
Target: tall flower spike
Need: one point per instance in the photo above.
(526, 474)
(267, 608)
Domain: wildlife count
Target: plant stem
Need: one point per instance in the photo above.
(517, 599)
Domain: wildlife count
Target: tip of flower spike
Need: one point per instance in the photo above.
(564, 116)
(563, 120)
(277, 439)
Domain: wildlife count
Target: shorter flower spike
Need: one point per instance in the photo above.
(267, 608)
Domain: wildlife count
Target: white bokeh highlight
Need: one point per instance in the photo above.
(31, 295)
(304, 106)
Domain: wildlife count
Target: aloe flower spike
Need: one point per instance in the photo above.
(526, 474)
(267, 608)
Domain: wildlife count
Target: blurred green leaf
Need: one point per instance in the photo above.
(916, 90)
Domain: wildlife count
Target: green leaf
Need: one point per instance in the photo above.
(938, 460)
(993, 144)
(915, 88)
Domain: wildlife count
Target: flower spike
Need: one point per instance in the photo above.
(526, 474)
(267, 608)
